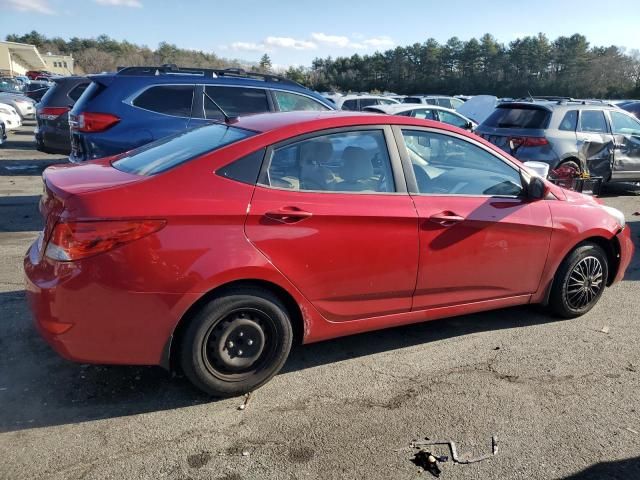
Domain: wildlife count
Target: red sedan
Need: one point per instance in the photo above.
(218, 248)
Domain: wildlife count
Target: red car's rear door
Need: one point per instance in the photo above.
(332, 213)
(479, 238)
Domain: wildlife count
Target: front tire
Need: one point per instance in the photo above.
(237, 342)
(579, 281)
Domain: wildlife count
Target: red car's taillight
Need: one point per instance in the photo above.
(529, 141)
(51, 113)
(75, 240)
(89, 122)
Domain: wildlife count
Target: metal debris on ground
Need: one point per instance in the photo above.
(245, 402)
(462, 459)
(605, 329)
(429, 462)
(631, 430)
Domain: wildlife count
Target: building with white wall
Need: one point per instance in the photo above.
(59, 64)
(19, 58)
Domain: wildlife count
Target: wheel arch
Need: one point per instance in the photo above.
(170, 352)
(611, 247)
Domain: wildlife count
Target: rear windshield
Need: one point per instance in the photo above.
(518, 117)
(174, 150)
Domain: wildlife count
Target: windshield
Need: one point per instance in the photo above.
(8, 85)
(174, 150)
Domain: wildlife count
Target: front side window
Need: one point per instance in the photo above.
(167, 99)
(168, 152)
(235, 101)
(593, 121)
(452, 119)
(356, 161)
(622, 124)
(444, 102)
(288, 102)
(445, 165)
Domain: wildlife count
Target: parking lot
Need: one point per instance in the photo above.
(560, 396)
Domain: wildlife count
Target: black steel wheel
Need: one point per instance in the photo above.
(237, 342)
(580, 281)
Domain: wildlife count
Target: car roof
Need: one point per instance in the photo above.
(353, 96)
(300, 122)
(560, 105)
(406, 107)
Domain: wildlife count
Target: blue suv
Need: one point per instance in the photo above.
(124, 110)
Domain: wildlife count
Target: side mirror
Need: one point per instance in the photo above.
(469, 126)
(537, 189)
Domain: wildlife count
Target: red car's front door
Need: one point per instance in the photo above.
(479, 238)
(328, 215)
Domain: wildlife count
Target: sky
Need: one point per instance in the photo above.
(295, 32)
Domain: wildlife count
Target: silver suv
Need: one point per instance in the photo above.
(584, 136)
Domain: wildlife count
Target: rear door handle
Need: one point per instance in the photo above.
(446, 219)
(288, 215)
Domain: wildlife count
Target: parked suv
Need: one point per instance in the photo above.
(123, 110)
(592, 137)
(52, 114)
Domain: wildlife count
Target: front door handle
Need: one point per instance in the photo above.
(446, 219)
(288, 215)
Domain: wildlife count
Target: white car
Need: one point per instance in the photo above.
(360, 101)
(440, 100)
(10, 117)
(428, 112)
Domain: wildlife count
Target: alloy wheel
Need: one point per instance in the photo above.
(585, 282)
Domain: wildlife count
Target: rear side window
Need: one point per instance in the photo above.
(75, 92)
(367, 102)
(288, 102)
(518, 117)
(167, 99)
(168, 152)
(593, 121)
(350, 105)
(235, 101)
(356, 161)
(411, 100)
(444, 102)
(424, 113)
(570, 121)
(245, 169)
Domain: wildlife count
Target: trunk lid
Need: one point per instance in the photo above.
(64, 183)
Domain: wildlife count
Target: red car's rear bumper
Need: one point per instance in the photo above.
(626, 252)
(87, 319)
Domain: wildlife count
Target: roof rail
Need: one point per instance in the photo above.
(171, 69)
(579, 101)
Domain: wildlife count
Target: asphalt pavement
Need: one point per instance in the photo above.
(562, 397)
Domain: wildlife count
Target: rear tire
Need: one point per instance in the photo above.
(237, 342)
(579, 281)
